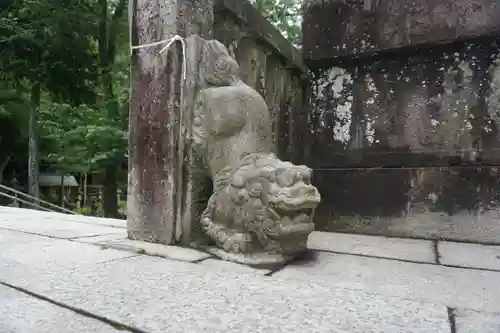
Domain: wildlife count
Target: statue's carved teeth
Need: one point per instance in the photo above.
(279, 214)
(298, 229)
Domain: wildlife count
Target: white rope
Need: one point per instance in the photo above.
(169, 43)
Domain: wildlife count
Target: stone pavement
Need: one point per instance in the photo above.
(62, 273)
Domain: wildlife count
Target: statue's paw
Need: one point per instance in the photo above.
(238, 243)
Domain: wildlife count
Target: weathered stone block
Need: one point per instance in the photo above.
(269, 64)
(469, 255)
(438, 203)
(252, 22)
(431, 108)
(334, 28)
(392, 248)
(159, 188)
(383, 127)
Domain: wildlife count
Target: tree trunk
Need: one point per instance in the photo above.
(107, 51)
(33, 176)
(110, 202)
(3, 164)
(84, 201)
(157, 184)
(110, 192)
(61, 191)
(4, 200)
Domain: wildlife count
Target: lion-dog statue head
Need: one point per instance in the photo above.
(262, 205)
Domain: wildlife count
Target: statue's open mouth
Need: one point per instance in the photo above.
(284, 205)
(280, 212)
(290, 221)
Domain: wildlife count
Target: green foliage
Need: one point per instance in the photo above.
(12, 107)
(82, 138)
(50, 42)
(77, 52)
(13, 121)
(55, 42)
(87, 211)
(122, 210)
(285, 15)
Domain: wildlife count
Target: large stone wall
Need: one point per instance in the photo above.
(405, 133)
(271, 65)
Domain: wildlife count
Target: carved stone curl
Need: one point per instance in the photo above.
(261, 210)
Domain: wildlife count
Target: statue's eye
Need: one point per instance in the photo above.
(255, 190)
(238, 181)
(240, 196)
(268, 174)
(286, 178)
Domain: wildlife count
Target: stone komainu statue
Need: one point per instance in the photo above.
(261, 209)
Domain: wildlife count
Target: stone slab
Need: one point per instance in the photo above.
(167, 251)
(469, 255)
(393, 248)
(159, 295)
(23, 213)
(32, 223)
(468, 321)
(30, 255)
(9, 238)
(227, 266)
(452, 287)
(21, 313)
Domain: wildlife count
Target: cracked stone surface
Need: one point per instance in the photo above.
(22, 313)
(102, 238)
(453, 287)
(325, 293)
(140, 291)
